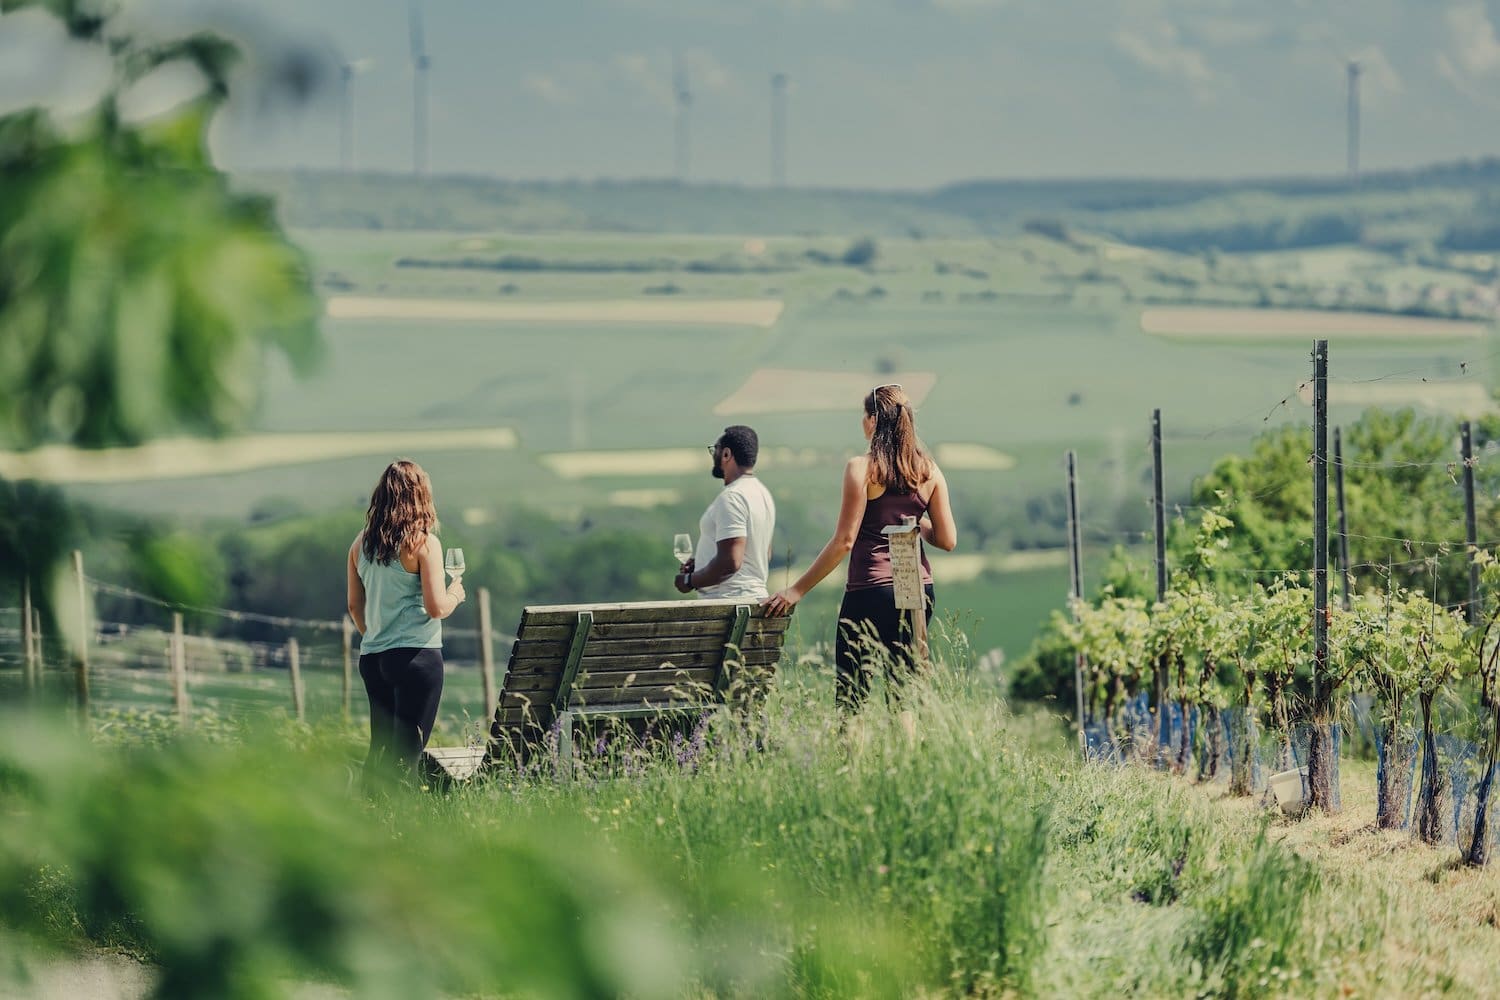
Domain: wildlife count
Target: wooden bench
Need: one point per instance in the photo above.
(576, 662)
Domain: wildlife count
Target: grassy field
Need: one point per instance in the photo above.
(981, 859)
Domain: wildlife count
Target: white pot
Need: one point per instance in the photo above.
(1287, 787)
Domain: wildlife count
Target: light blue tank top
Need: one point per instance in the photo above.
(394, 615)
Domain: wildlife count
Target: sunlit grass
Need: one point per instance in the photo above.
(968, 855)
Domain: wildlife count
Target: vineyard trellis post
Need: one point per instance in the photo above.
(1338, 481)
(1322, 763)
(1075, 575)
(294, 667)
(1471, 529)
(486, 650)
(179, 669)
(1159, 680)
(27, 639)
(81, 645)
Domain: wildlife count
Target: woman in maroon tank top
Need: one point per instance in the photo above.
(895, 478)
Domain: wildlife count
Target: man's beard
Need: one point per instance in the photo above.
(718, 472)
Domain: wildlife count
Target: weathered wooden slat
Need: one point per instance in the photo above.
(652, 630)
(649, 611)
(736, 641)
(635, 661)
(528, 650)
(573, 659)
(451, 763)
(632, 696)
(641, 661)
(545, 684)
(587, 712)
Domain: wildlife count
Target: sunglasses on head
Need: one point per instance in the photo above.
(888, 385)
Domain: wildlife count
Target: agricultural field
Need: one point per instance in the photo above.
(580, 373)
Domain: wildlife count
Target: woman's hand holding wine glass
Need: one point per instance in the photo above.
(682, 549)
(453, 563)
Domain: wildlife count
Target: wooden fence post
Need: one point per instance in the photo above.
(294, 666)
(27, 638)
(348, 630)
(81, 648)
(486, 655)
(36, 638)
(179, 670)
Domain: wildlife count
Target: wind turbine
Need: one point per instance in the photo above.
(347, 73)
(683, 101)
(1352, 71)
(419, 65)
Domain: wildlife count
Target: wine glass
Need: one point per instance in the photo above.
(682, 547)
(453, 562)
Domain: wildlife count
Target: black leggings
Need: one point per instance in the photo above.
(872, 635)
(404, 686)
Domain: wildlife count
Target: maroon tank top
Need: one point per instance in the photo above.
(870, 559)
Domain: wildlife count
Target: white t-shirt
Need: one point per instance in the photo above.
(743, 509)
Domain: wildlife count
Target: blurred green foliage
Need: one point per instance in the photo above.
(138, 294)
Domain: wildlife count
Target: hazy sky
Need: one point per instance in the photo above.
(885, 93)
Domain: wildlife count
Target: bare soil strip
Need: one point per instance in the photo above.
(183, 458)
(1465, 397)
(669, 462)
(760, 313)
(1209, 323)
(973, 458)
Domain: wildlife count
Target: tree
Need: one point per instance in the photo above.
(1401, 492)
(138, 293)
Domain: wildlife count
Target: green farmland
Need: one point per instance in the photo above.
(1020, 347)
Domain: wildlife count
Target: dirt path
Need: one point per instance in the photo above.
(91, 977)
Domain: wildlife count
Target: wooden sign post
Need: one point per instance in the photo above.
(905, 540)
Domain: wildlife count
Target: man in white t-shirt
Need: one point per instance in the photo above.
(733, 557)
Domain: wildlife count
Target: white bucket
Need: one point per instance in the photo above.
(1287, 787)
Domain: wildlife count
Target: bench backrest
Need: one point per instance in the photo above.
(619, 657)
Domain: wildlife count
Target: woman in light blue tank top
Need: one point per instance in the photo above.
(398, 600)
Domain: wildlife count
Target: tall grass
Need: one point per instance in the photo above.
(971, 855)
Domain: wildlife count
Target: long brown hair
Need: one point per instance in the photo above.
(401, 512)
(897, 459)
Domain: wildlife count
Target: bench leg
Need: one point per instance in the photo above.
(564, 746)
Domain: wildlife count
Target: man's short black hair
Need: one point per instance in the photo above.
(742, 444)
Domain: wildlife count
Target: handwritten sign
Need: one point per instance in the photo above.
(906, 566)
